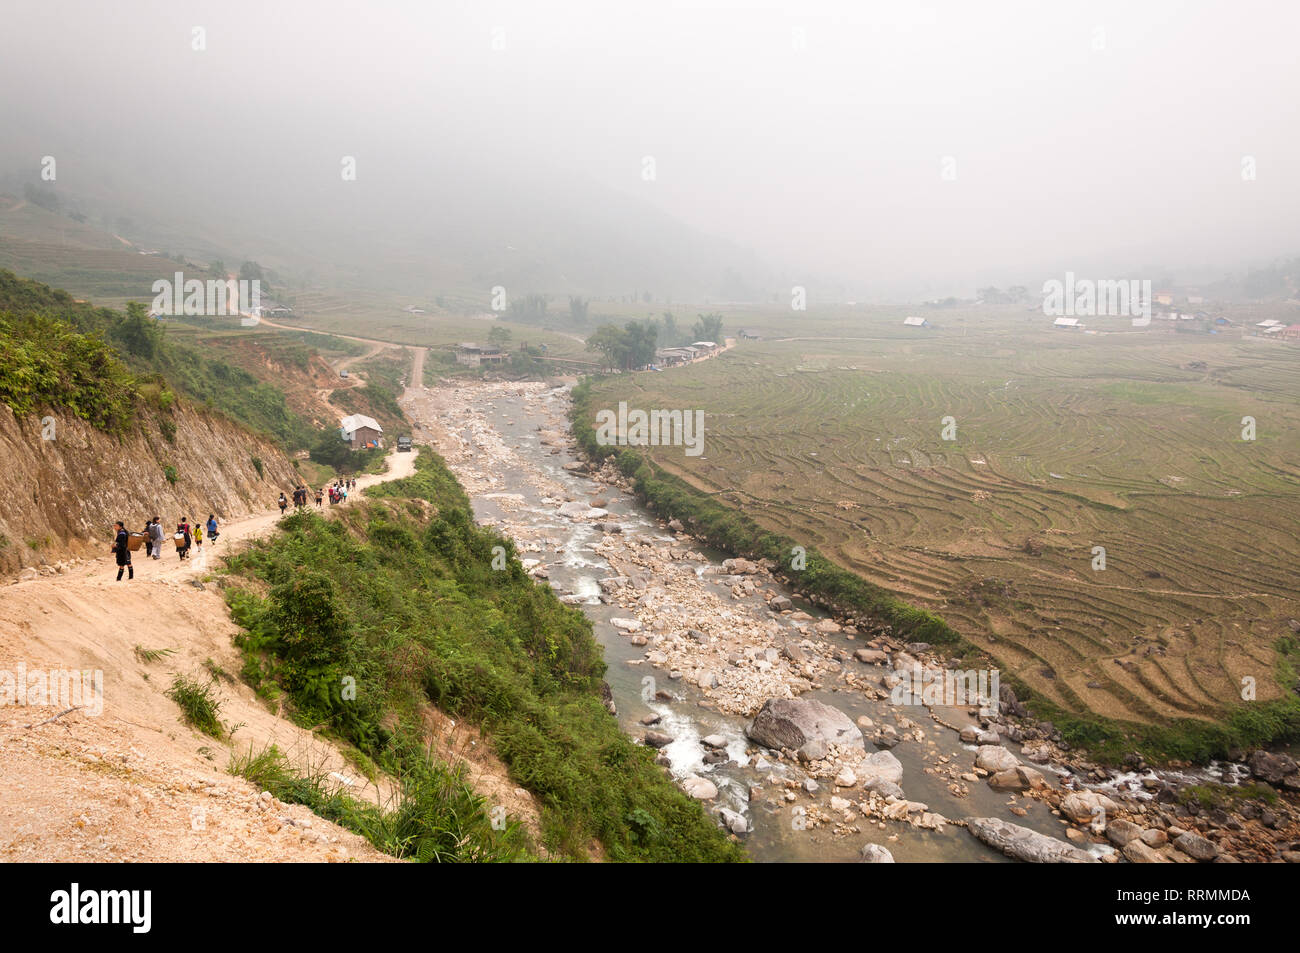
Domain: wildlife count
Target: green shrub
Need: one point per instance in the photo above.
(401, 599)
(198, 703)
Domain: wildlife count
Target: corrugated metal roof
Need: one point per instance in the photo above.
(357, 421)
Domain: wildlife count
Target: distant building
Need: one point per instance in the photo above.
(705, 347)
(1067, 323)
(360, 431)
(1292, 333)
(1195, 299)
(669, 356)
(1164, 297)
(749, 334)
(475, 355)
(916, 322)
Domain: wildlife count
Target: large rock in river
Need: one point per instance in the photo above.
(881, 768)
(793, 722)
(875, 854)
(995, 758)
(1085, 806)
(1024, 844)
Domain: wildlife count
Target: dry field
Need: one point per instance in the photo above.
(1064, 442)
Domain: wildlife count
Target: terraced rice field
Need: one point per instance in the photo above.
(107, 276)
(366, 316)
(1064, 442)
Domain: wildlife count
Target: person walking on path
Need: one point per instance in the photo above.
(283, 503)
(156, 537)
(212, 527)
(183, 530)
(122, 550)
(318, 498)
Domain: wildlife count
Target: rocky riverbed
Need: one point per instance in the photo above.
(784, 720)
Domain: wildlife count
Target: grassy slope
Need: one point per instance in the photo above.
(401, 596)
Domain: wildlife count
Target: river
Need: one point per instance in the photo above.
(506, 443)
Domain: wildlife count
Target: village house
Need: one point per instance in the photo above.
(704, 348)
(670, 356)
(1070, 323)
(360, 431)
(474, 355)
(914, 322)
(749, 334)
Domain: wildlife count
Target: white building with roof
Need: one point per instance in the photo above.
(361, 431)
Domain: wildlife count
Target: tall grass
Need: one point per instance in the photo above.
(432, 817)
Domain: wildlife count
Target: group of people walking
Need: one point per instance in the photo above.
(336, 491)
(153, 536)
(189, 535)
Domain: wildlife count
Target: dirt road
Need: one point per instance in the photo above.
(133, 782)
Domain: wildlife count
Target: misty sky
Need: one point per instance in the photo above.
(1103, 138)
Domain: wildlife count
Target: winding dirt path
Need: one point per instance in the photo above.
(131, 781)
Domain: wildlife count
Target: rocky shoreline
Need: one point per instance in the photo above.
(746, 649)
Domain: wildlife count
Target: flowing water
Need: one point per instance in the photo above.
(774, 833)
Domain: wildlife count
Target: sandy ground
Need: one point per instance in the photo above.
(133, 782)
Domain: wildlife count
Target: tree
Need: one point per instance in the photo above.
(641, 337)
(499, 336)
(252, 271)
(611, 341)
(708, 327)
(530, 309)
(578, 309)
(669, 333)
(137, 333)
(628, 347)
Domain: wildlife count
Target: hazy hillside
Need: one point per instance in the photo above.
(452, 225)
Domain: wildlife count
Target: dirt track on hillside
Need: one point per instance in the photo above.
(134, 782)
